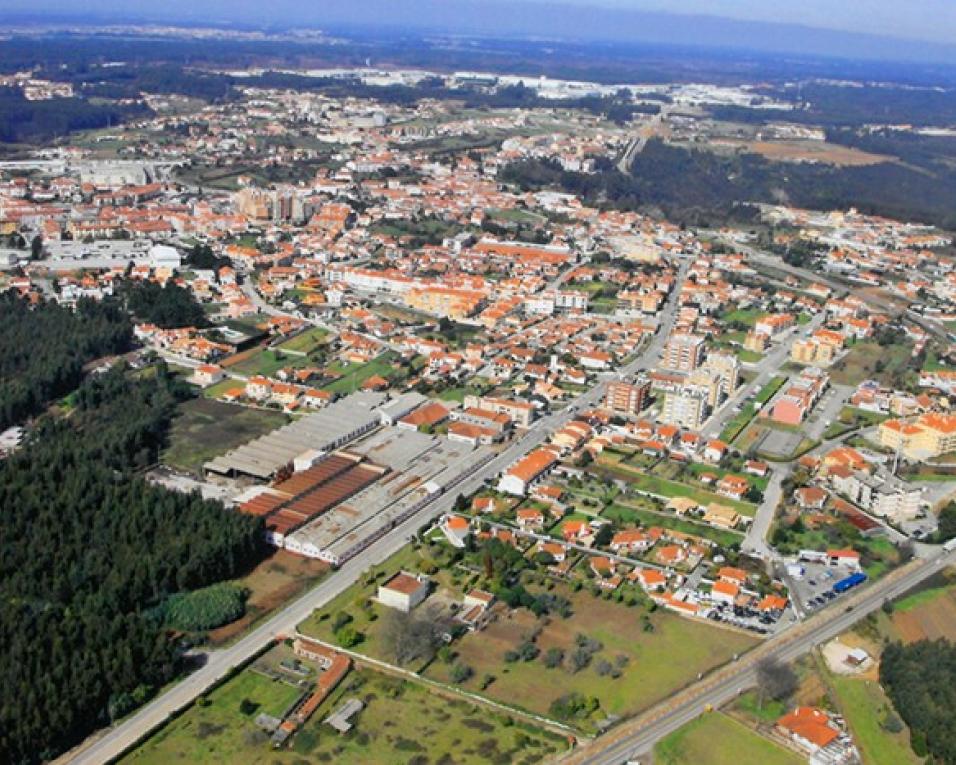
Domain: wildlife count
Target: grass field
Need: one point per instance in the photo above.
(658, 662)
(624, 514)
(665, 488)
(929, 613)
(748, 316)
(863, 359)
(864, 705)
(716, 739)
(401, 723)
(267, 363)
(203, 429)
(307, 341)
(218, 731)
(353, 375)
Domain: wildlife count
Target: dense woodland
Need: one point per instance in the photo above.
(168, 306)
(43, 349)
(89, 554)
(704, 188)
(24, 121)
(921, 680)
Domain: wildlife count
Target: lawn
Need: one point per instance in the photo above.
(661, 487)
(306, 342)
(864, 705)
(214, 730)
(851, 418)
(748, 316)
(629, 515)
(203, 429)
(655, 661)
(716, 739)
(767, 391)
(353, 375)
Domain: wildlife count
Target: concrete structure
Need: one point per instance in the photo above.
(687, 408)
(404, 591)
(334, 426)
(628, 398)
(683, 352)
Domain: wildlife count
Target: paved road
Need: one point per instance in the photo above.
(118, 739)
(638, 736)
(767, 368)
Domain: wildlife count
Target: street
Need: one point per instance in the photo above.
(638, 736)
(114, 741)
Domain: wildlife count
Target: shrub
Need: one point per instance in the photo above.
(206, 608)
(460, 673)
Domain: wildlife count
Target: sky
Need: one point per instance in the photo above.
(933, 20)
(854, 28)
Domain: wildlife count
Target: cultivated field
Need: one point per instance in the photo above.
(274, 582)
(815, 151)
(928, 614)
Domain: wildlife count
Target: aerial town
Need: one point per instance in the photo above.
(519, 476)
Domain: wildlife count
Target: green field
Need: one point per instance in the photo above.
(748, 316)
(665, 488)
(203, 429)
(871, 360)
(864, 705)
(716, 739)
(267, 363)
(306, 342)
(353, 375)
(657, 661)
(401, 723)
(629, 515)
(215, 730)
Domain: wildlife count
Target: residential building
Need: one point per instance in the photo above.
(403, 591)
(929, 435)
(687, 408)
(683, 352)
(628, 398)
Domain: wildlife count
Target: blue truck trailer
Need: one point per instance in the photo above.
(849, 582)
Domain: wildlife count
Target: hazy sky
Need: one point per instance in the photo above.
(929, 20)
(919, 19)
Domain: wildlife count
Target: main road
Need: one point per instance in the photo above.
(113, 742)
(638, 736)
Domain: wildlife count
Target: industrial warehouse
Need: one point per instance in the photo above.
(343, 477)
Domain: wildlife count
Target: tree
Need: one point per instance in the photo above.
(947, 523)
(414, 635)
(348, 637)
(36, 248)
(776, 680)
(459, 673)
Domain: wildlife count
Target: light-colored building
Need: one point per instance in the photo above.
(686, 408)
(929, 435)
(403, 591)
(683, 352)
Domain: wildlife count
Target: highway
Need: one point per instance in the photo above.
(638, 736)
(111, 743)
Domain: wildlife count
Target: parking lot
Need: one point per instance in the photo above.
(814, 588)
